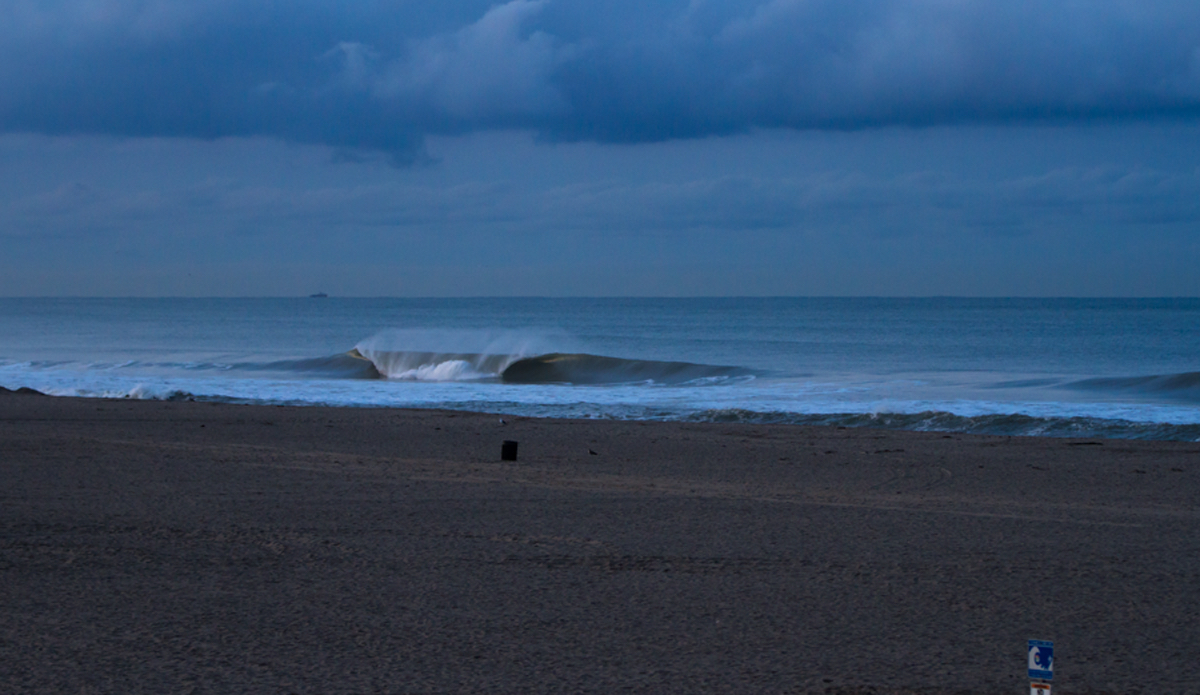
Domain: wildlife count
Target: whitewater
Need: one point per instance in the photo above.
(1124, 368)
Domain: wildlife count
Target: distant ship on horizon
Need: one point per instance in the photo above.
(319, 295)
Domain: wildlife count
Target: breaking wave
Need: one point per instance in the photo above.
(431, 366)
(511, 358)
(552, 368)
(364, 362)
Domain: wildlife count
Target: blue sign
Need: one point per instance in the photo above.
(1041, 659)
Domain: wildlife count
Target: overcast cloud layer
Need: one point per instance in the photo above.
(384, 75)
(981, 210)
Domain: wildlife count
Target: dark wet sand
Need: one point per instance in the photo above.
(151, 547)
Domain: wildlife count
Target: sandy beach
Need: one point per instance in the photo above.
(163, 547)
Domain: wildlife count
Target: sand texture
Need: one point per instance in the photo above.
(163, 547)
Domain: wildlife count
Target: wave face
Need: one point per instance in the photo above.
(1182, 386)
(559, 368)
(349, 365)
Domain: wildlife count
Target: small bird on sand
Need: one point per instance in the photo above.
(502, 422)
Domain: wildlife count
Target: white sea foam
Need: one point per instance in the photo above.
(448, 370)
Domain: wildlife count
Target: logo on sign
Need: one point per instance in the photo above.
(1041, 659)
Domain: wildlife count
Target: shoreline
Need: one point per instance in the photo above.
(993, 424)
(150, 545)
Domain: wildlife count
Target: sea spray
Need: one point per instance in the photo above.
(449, 355)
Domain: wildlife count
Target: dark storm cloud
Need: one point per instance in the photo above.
(382, 75)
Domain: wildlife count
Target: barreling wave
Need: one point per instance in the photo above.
(432, 366)
(1011, 424)
(1182, 386)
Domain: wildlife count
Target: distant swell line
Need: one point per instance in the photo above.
(1185, 385)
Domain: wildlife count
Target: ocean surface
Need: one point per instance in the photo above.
(1125, 368)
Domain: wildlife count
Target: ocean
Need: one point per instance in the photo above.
(1121, 368)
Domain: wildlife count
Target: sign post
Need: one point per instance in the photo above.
(1041, 666)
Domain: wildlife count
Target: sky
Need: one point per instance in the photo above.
(571, 147)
